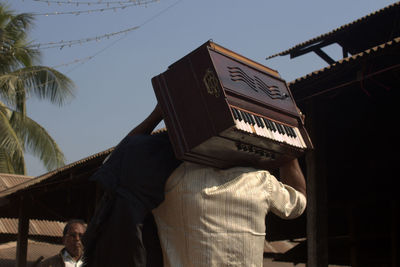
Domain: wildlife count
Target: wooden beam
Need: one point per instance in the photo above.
(345, 53)
(394, 236)
(324, 56)
(317, 237)
(23, 230)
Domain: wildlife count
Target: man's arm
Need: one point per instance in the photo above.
(291, 174)
(145, 127)
(148, 125)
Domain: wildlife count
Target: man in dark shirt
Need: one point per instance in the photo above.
(133, 178)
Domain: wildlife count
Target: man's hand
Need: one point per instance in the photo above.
(148, 125)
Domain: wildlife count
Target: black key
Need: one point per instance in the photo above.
(280, 128)
(259, 122)
(255, 119)
(248, 117)
(244, 116)
(293, 132)
(239, 115)
(235, 115)
(252, 119)
(287, 131)
(274, 128)
(268, 124)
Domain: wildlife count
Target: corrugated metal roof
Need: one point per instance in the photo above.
(45, 176)
(9, 180)
(36, 227)
(359, 56)
(343, 28)
(48, 175)
(35, 251)
(278, 246)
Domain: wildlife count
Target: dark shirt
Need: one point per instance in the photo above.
(122, 231)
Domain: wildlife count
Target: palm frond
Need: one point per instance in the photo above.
(9, 140)
(8, 88)
(39, 81)
(37, 141)
(21, 78)
(47, 83)
(14, 50)
(6, 166)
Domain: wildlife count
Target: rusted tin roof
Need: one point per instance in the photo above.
(9, 180)
(36, 227)
(48, 175)
(36, 251)
(279, 247)
(354, 58)
(353, 34)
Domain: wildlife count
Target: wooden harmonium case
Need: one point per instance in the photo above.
(222, 109)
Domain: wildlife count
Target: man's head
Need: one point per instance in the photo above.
(72, 234)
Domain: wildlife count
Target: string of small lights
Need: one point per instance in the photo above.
(62, 44)
(124, 33)
(84, 3)
(79, 12)
(80, 60)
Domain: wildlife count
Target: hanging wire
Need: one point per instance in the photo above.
(77, 3)
(115, 8)
(82, 61)
(62, 44)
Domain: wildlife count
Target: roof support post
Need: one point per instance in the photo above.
(23, 230)
(394, 236)
(317, 237)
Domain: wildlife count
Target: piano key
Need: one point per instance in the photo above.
(273, 126)
(244, 126)
(285, 137)
(256, 126)
(237, 119)
(246, 121)
(251, 118)
(259, 122)
(267, 123)
(252, 122)
(278, 132)
(273, 131)
(269, 128)
(303, 144)
(285, 134)
(292, 139)
(293, 132)
(235, 115)
(287, 130)
(262, 126)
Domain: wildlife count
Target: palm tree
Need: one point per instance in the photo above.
(21, 78)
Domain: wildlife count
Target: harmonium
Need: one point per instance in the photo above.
(222, 109)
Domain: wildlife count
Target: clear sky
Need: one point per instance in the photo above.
(112, 70)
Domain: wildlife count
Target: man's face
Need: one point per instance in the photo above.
(72, 240)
